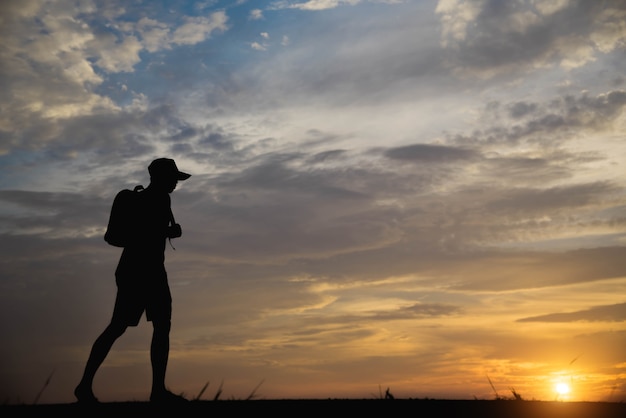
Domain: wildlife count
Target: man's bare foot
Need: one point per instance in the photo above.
(85, 395)
(166, 397)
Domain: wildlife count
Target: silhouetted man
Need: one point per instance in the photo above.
(142, 284)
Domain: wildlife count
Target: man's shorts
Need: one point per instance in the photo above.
(147, 292)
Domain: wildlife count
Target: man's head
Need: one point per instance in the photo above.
(163, 172)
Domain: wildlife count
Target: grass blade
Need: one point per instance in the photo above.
(202, 391)
(45, 385)
(253, 393)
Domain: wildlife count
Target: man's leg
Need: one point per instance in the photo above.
(99, 351)
(159, 354)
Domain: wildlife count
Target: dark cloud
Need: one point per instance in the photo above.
(330, 218)
(427, 153)
(509, 36)
(329, 325)
(607, 313)
(52, 214)
(326, 156)
(527, 171)
(284, 173)
(277, 210)
(521, 109)
(185, 134)
(548, 123)
(216, 140)
(419, 310)
(502, 270)
(550, 200)
(605, 107)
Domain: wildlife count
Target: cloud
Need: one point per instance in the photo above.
(373, 212)
(427, 153)
(313, 4)
(258, 46)
(155, 35)
(265, 203)
(553, 121)
(198, 29)
(118, 57)
(607, 313)
(537, 270)
(370, 62)
(52, 215)
(55, 63)
(264, 44)
(46, 67)
(549, 200)
(456, 17)
(256, 14)
(486, 38)
(418, 310)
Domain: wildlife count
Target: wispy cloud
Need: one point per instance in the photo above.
(313, 4)
(608, 313)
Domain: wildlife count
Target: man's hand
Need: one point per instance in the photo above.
(174, 231)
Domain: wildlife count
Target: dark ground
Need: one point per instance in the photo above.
(397, 407)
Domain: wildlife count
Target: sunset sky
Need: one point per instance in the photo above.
(426, 196)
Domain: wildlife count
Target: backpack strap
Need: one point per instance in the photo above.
(172, 220)
(172, 223)
(139, 188)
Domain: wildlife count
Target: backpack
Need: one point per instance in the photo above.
(123, 217)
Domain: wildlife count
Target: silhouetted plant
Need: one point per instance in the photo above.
(494, 388)
(388, 394)
(253, 393)
(516, 395)
(45, 385)
(219, 391)
(251, 396)
(201, 391)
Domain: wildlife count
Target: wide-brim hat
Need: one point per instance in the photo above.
(166, 167)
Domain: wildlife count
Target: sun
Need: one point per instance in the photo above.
(562, 388)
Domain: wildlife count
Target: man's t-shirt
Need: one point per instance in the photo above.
(143, 258)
